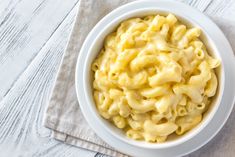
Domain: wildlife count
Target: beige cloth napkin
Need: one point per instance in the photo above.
(63, 114)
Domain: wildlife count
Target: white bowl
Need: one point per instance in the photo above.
(95, 48)
(215, 42)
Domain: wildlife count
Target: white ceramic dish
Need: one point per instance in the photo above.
(97, 44)
(211, 124)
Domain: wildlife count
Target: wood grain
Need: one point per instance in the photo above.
(25, 28)
(21, 110)
(199, 4)
(33, 36)
(223, 9)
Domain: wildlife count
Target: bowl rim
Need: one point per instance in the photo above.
(79, 58)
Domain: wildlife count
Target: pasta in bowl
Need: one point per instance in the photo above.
(154, 78)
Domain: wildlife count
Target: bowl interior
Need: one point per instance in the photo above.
(98, 44)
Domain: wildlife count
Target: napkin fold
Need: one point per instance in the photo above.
(63, 115)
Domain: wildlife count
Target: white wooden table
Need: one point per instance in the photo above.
(33, 36)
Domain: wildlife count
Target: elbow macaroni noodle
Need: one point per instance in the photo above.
(154, 77)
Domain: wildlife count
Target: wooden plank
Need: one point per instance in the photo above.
(21, 110)
(201, 5)
(6, 7)
(222, 8)
(25, 27)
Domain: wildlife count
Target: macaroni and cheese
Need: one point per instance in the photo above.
(154, 77)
